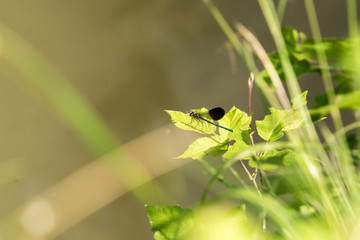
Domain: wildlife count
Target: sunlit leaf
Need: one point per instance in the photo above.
(203, 146)
(279, 121)
(241, 144)
(185, 122)
(236, 120)
(299, 101)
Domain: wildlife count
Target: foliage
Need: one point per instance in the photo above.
(170, 222)
(305, 181)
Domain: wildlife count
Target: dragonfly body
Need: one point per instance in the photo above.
(215, 114)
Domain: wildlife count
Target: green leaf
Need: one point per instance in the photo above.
(345, 82)
(234, 221)
(349, 60)
(355, 154)
(352, 140)
(299, 101)
(291, 38)
(237, 214)
(280, 184)
(306, 210)
(349, 100)
(170, 223)
(338, 51)
(300, 67)
(272, 159)
(279, 121)
(270, 129)
(236, 120)
(205, 145)
(240, 145)
(344, 86)
(185, 122)
(216, 222)
(300, 63)
(321, 100)
(343, 101)
(333, 47)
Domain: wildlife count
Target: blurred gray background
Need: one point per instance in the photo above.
(131, 60)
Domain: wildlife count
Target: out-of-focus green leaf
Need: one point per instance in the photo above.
(339, 52)
(343, 101)
(334, 47)
(170, 223)
(300, 67)
(349, 100)
(344, 86)
(355, 154)
(280, 184)
(300, 63)
(351, 140)
(216, 222)
(291, 38)
(271, 160)
(299, 101)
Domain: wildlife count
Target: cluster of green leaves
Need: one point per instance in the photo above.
(339, 54)
(341, 64)
(216, 144)
(298, 176)
(270, 129)
(175, 222)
